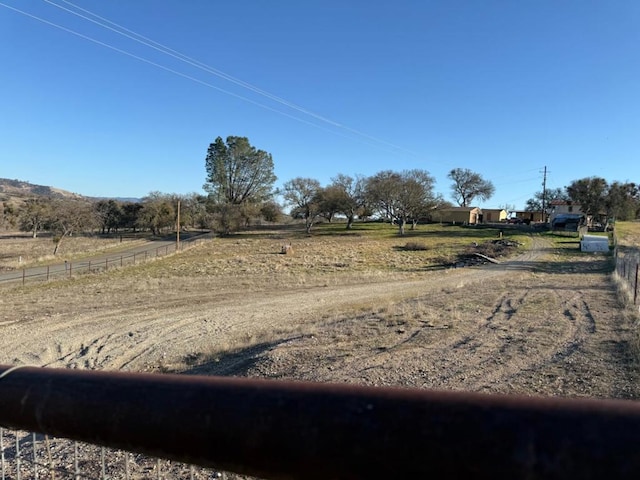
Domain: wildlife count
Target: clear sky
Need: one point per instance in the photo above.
(504, 88)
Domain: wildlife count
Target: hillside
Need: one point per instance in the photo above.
(19, 190)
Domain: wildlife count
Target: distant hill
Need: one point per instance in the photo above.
(119, 199)
(19, 190)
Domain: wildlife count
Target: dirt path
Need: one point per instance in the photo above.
(507, 327)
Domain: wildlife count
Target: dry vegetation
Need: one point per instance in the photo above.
(21, 250)
(355, 306)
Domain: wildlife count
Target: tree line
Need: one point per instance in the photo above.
(63, 217)
(597, 198)
(240, 180)
(240, 191)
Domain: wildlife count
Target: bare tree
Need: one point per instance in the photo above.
(305, 197)
(545, 198)
(348, 195)
(468, 185)
(69, 216)
(33, 215)
(403, 196)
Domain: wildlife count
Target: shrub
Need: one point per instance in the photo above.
(415, 246)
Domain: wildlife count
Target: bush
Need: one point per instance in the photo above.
(415, 246)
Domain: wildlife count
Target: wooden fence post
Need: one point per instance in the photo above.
(635, 288)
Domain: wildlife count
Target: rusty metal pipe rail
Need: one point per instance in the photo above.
(274, 429)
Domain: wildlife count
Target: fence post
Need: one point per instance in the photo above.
(2, 453)
(70, 268)
(635, 288)
(35, 457)
(134, 258)
(89, 266)
(18, 472)
(120, 260)
(23, 273)
(106, 264)
(47, 273)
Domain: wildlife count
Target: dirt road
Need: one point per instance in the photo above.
(525, 326)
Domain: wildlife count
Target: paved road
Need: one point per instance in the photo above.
(129, 256)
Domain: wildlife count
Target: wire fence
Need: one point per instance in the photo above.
(101, 263)
(31, 456)
(627, 271)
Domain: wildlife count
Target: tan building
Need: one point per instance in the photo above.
(493, 215)
(462, 215)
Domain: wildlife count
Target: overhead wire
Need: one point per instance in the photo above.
(150, 43)
(184, 58)
(207, 68)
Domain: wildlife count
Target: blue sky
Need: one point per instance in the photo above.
(504, 88)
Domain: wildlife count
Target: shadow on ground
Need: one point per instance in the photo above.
(232, 364)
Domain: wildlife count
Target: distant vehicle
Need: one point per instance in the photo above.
(515, 220)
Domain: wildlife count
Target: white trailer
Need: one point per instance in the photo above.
(594, 243)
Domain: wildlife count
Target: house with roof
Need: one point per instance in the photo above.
(494, 215)
(461, 215)
(566, 215)
(565, 208)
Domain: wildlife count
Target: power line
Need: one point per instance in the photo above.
(364, 137)
(184, 58)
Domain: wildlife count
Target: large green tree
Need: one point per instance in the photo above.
(468, 185)
(158, 212)
(601, 200)
(238, 173)
(109, 215)
(590, 193)
(623, 201)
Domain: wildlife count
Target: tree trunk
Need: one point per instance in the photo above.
(349, 222)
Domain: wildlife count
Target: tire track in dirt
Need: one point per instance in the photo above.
(578, 324)
(136, 336)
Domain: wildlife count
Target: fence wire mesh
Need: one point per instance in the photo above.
(27, 455)
(628, 272)
(73, 268)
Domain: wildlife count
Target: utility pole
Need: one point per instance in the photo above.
(178, 229)
(544, 195)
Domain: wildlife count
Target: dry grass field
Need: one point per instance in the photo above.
(355, 306)
(21, 250)
(364, 306)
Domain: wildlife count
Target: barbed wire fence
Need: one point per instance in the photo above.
(28, 455)
(31, 456)
(70, 269)
(627, 270)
